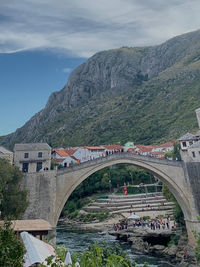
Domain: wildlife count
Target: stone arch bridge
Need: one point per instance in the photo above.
(48, 191)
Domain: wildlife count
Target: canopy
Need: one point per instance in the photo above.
(36, 250)
(68, 259)
(133, 216)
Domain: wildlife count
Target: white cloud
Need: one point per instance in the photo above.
(84, 27)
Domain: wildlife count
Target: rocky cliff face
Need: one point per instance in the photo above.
(115, 92)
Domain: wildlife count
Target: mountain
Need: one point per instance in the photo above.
(143, 94)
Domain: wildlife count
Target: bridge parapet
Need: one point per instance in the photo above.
(118, 156)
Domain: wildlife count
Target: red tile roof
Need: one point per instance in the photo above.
(71, 150)
(143, 148)
(112, 147)
(62, 152)
(167, 144)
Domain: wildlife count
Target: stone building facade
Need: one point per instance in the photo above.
(32, 157)
(190, 144)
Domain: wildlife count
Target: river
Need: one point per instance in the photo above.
(79, 240)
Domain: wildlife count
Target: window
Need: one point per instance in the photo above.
(25, 167)
(193, 154)
(184, 144)
(25, 155)
(39, 154)
(39, 166)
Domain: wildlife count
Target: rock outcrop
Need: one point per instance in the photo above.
(157, 243)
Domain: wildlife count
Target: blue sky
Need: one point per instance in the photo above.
(27, 80)
(42, 41)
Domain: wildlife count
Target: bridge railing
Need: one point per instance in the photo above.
(118, 156)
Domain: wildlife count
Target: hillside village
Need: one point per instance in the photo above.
(35, 157)
(39, 156)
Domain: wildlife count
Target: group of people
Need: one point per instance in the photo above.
(121, 225)
(153, 224)
(157, 224)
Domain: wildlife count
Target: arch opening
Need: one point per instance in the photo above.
(109, 180)
(158, 172)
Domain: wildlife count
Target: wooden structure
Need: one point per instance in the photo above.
(37, 227)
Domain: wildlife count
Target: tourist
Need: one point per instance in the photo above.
(168, 223)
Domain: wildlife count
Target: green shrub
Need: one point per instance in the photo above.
(73, 214)
(102, 216)
(174, 240)
(91, 216)
(145, 218)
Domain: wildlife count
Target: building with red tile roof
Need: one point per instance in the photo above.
(113, 147)
(61, 156)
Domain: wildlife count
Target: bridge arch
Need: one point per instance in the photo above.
(170, 173)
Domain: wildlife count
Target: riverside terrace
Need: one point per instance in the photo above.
(49, 190)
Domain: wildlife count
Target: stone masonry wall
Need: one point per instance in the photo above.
(193, 170)
(41, 189)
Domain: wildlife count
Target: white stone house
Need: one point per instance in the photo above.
(80, 153)
(110, 149)
(187, 140)
(165, 147)
(95, 152)
(190, 143)
(61, 156)
(194, 152)
(6, 154)
(32, 157)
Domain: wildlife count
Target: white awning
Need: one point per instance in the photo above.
(133, 216)
(36, 250)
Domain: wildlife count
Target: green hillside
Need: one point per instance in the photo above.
(146, 95)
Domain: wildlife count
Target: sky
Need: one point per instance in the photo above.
(42, 41)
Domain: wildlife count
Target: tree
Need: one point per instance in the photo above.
(177, 211)
(95, 255)
(176, 152)
(105, 181)
(13, 200)
(12, 250)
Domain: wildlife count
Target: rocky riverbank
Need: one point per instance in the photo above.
(145, 240)
(156, 243)
(101, 226)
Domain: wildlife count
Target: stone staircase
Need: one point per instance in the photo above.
(131, 203)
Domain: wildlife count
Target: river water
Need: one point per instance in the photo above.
(79, 240)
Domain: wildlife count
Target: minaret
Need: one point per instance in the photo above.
(198, 116)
